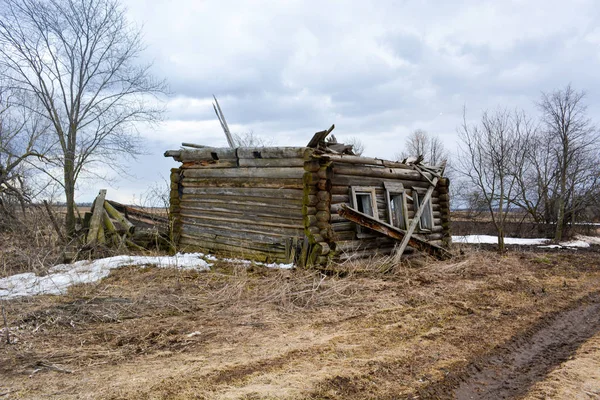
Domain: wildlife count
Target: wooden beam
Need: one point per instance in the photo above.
(224, 125)
(129, 227)
(319, 137)
(392, 232)
(96, 220)
(193, 145)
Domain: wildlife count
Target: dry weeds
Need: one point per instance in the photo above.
(368, 330)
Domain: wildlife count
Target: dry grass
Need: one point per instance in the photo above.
(367, 331)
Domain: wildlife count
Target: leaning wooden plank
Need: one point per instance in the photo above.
(417, 216)
(96, 220)
(392, 232)
(119, 217)
(110, 229)
(319, 137)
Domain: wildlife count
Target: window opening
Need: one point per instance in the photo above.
(426, 220)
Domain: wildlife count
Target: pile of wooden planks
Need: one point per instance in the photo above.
(110, 224)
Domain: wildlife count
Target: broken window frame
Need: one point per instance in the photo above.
(392, 190)
(356, 191)
(417, 194)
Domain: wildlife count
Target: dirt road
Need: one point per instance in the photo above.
(479, 326)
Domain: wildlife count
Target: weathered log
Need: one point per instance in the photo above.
(325, 173)
(238, 234)
(312, 165)
(247, 192)
(265, 183)
(247, 219)
(129, 227)
(324, 184)
(392, 232)
(323, 216)
(246, 172)
(210, 164)
(393, 173)
(319, 137)
(237, 209)
(283, 218)
(208, 153)
(352, 159)
(273, 152)
(271, 162)
(96, 220)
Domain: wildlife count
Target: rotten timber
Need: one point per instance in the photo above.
(392, 232)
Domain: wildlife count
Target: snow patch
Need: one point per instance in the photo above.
(60, 277)
(488, 239)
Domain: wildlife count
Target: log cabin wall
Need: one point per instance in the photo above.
(363, 173)
(245, 202)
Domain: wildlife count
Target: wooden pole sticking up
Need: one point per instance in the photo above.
(221, 118)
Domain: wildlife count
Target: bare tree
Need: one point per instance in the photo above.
(358, 147)
(250, 139)
(421, 143)
(491, 156)
(22, 138)
(79, 59)
(573, 140)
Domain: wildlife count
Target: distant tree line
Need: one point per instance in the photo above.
(545, 165)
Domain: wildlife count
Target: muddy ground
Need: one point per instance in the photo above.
(480, 326)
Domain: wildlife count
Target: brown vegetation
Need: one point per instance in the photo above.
(240, 332)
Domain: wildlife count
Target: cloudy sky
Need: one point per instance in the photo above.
(377, 69)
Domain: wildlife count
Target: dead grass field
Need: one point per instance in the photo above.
(236, 333)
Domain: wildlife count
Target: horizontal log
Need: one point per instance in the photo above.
(351, 159)
(208, 153)
(268, 223)
(272, 217)
(393, 173)
(273, 152)
(234, 201)
(244, 182)
(250, 232)
(233, 251)
(371, 243)
(209, 164)
(271, 162)
(246, 172)
(369, 253)
(264, 238)
(276, 245)
(344, 235)
(247, 192)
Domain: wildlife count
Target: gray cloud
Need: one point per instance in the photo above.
(378, 70)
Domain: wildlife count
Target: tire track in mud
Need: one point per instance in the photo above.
(510, 370)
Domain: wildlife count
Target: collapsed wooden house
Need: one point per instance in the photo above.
(307, 205)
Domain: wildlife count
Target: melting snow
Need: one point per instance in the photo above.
(488, 239)
(60, 277)
(580, 242)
